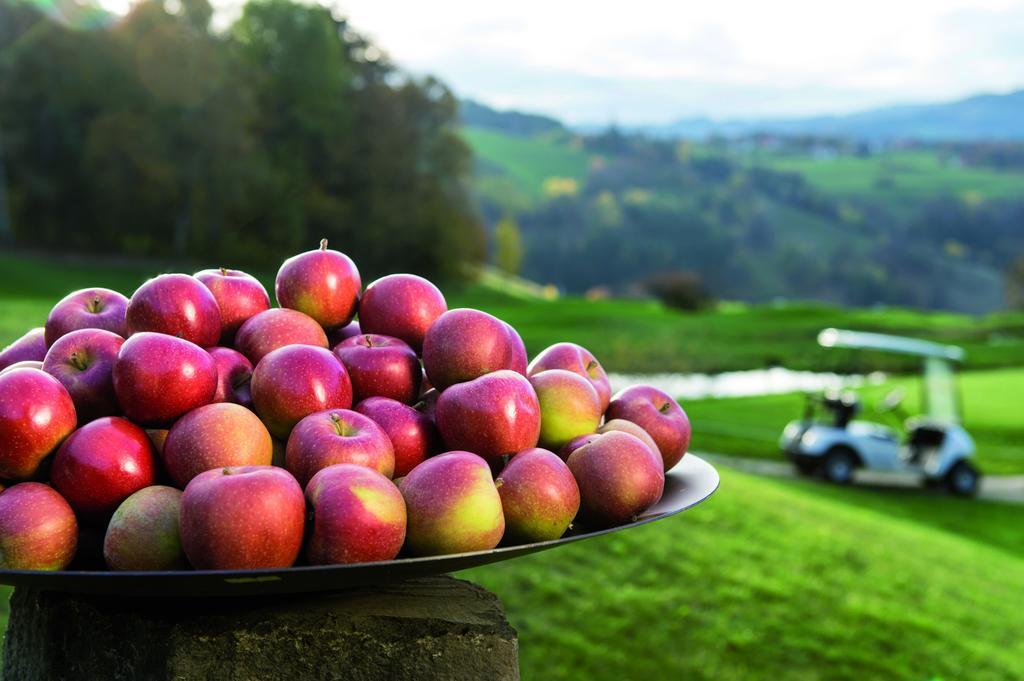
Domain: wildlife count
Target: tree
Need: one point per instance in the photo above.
(1015, 283)
(508, 245)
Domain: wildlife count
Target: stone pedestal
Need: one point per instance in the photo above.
(435, 628)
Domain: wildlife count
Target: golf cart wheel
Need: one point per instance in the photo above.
(838, 465)
(962, 479)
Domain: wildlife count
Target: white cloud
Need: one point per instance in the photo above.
(656, 60)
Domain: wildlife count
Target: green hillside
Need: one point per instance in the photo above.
(779, 580)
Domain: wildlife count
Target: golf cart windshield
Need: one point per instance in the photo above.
(939, 394)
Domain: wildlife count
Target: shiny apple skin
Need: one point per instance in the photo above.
(36, 415)
(177, 305)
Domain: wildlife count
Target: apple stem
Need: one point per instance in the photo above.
(339, 426)
(94, 304)
(224, 271)
(323, 244)
(664, 409)
(77, 362)
(592, 365)
(226, 471)
(369, 341)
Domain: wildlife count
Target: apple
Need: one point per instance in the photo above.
(242, 518)
(539, 496)
(619, 478)
(38, 529)
(464, 344)
(494, 415)
(295, 381)
(30, 347)
(358, 516)
(24, 364)
(215, 436)
(157, 378)
(340, 333)
(83, 361)
(234, 375)
(614, 424)
(101, 464)
(36, 414)
(412, 433)
(452, 506)
(337, 436)
(177, 305)
(143, 533)
(381, 366)
(576, 359)
(658, 414)
(323, 283)
(239, 297)
(569, 406)
(403, 306)
(277, 328)
(88, 308)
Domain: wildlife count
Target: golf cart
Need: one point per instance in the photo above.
(935, 445)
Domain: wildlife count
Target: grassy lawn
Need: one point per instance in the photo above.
(898, 176)
(779, 579)
(992, 414)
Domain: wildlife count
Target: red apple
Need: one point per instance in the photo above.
(277, 328)
(615, 424)
(36, 414)
(452, 506)
(143, 533)
(234, 375)
(157, 378)
(403, 306)
(88, 308)
(658, 414)
(381, 366)
(324, 284)
(101, 464)
(494, 415)
(29, 348)
(358, 516)
(24, 364)
(539, 496)
(337, 436)
(412, 433)
(340, 333)
(295, 381)
(38, 530)
(576, 359)
(83, 361)
(619, 478)
(239, 297)
(464, 344)
(215, 436)
(569, 406)
(177, 305)
(243, 518)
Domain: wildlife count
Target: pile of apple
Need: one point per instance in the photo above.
(194, 425)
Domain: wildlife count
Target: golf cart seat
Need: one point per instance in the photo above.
(923, 437)
(844, 406)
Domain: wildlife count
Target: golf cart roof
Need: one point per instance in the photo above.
(838, 338)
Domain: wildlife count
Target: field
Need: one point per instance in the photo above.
(898, 176)
(992, 414)
(773, 579)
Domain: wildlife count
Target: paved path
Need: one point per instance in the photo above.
(993, 487)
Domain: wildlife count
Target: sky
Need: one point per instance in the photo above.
(651, 61)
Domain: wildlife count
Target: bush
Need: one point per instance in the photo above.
(680, 290)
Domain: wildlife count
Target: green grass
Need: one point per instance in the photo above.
(992, 415)
(527, 161)
(776, 579)
(898, 176)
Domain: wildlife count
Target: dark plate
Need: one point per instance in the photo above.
(692, 481)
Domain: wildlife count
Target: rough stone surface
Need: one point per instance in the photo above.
(436, 628)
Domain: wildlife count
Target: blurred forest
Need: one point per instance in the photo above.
(153, 135)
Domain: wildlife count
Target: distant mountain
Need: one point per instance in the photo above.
(476, 115)
(982, 117)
